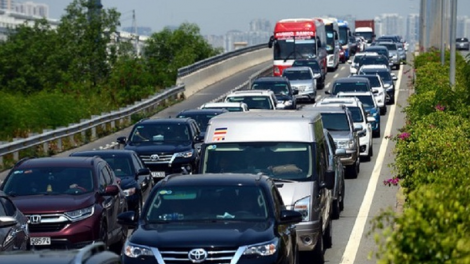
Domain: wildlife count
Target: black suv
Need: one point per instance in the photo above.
(166, 146)
(202, 116)
(211, 218)
(285, 95)
(134, 178)
(70, 202)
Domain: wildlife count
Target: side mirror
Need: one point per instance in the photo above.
(290, 217)
(370, 119)
(327, 92)
(394, 77)
(295, 92)
(111, 190)
(121, 140)
(144, 171)
(7, 221)
(118, 180)
(349, 61)
(199, 138)
(127, 219)
(375, 91)
(358, 127)
(340, 152)
(271, 41)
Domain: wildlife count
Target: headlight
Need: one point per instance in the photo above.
(262, 249)
(303, 206)
(187, 154)
(129, 192)
(135, 251)
(80, 214)
(387, 86)
(316, 75)
(346, 144)
(277, 71)
(288, 102)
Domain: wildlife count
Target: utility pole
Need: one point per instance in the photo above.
(443, 47)
(136, 36)
(453, 31)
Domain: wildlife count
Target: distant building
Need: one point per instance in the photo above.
(412, 29)
(32, 9)
(390, 24)
(6, 4)
(463, 27)
(142, 31)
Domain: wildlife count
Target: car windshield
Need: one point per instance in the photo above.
(374, 81)
(207, 203)
(379, 51)
(367, 100)
(350, 87)
(160, 133)
(335, 121)
(297, 75)
(462, 40)
(391, 46)
(202, 119)
(49, 181)
(356, 114)
(287, 160)
(313, 64)
(277, 87)
(385, 75)
(253, 102)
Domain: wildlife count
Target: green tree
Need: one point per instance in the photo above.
(169, 50)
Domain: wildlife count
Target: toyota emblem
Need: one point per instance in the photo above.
(154, 157)
(197, 255)
(35, 219)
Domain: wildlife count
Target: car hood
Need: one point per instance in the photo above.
(294, 191)
(340, 134)
(156, 148)
(44, 204)
(203, 234)
(283, 97)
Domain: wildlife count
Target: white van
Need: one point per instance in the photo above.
(290, 147)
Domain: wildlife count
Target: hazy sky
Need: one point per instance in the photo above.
(219, 16)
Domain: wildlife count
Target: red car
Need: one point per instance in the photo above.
(70, 202)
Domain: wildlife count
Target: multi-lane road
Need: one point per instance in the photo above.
(365, 196)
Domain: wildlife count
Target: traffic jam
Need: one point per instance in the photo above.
(258, 177)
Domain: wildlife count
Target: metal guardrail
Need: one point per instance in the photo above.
(204, 63)
(91, 124)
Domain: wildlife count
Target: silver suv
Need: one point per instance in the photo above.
(302, 79)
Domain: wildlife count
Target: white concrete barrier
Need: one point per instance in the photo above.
(198, 80)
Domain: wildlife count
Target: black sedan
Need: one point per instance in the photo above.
(207, 218)
(14, 233)
(135, 178)
(202, 117)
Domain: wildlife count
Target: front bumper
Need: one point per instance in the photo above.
(307, 234)
(364, 143)
(380, 99)
(350, 158)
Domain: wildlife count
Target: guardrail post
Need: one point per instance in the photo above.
(59, 145)
(1, 162)
(45, 147)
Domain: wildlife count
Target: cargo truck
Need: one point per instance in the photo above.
(366, 29)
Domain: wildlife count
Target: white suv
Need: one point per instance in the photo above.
(355, 62)
(378, 88)
(255, 99)
(359, 117)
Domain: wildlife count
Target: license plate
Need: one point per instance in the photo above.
(158, 174)
(37, 241)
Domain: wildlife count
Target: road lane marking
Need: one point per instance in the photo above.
(336, 75)
(350, 252)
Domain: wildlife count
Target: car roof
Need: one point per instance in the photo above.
(353, 94)
(103, 153)
(235, 179)
(224, 104)
(348, 101)
(367, 53)
(370, 76)
(297, 68)
(202, 111)
(374, 67)
(163, 120)
(351, 79)
(325, 108)
(56, 162)
(375, 48)
(271, 79)
(251, 92)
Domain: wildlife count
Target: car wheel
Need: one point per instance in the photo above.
(335, 212)
(341, 202)
(317, 253)
(117, 247)
(103, 233)
(376, 133)
(138, 208)
(328, 235)
(352, 170)
(383, 110)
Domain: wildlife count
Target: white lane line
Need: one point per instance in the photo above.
(350, 252)
(336, 75)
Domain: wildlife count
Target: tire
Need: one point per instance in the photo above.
(335, 212)
(117, 247)
(376, 133)
(369, 156)
(383, 110)
(317, 253)
(341, 202)
(328, 236)
(104, 233)
(353, 170)
(138, 209)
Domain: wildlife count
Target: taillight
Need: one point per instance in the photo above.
(277, 71)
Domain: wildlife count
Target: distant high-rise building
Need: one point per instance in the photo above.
(261, 25)
(412, 29)
(390, 24)
(141, 31)
(6, 4)
(32, 9)
(463, 27)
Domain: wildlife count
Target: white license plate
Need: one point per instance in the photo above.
(158, 174)
(37, 241)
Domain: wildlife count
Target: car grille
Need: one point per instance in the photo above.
(156, 158)
(214, 256)
(50, 227)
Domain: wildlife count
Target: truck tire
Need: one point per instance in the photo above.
(328, 235)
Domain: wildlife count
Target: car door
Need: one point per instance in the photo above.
(111, 203)
(145, 181)
(12, 237)
(287, 232)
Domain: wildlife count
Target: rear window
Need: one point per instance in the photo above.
(462, 40)
(350, 87)
(312, 64)
(335, 121)
(277, 87)
(297, 75)
(253, 102)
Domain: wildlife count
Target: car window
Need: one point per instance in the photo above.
(137, 162)
(160, 133)
(312, 64)
(202, 119)
(356, 114)
(350, 87)
(366, 100)
(7, 208)
(277, 87)
(120, 165)
(374, 81)
(253, 102)
(182, 203)
(335, 121)
(297, 75)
